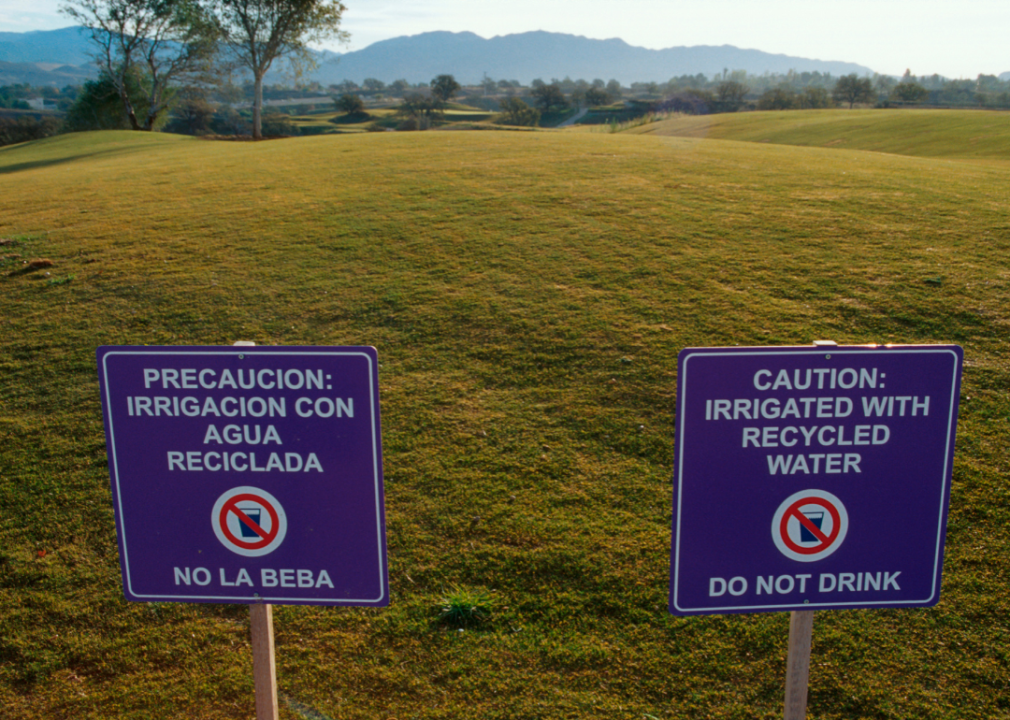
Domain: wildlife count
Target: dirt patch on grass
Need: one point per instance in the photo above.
(33, 265)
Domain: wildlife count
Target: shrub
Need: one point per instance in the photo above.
(193, 115)
(275, 124)
(515, 112)
(351, 104)
(780, 98)
(27, 127)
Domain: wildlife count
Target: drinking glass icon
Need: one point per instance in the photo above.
(816, 517)
(254, 514)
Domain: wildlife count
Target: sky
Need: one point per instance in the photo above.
(956, 40)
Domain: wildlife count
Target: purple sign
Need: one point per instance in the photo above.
(812, 478)
(246, 474)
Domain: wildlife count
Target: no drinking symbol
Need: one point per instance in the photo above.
(249, 521)
(809, 525)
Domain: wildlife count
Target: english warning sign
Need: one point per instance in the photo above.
(812, 478)
(247, 474)
(809, 525)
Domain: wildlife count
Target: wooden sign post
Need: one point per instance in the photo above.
(261, 616)
(261, 627)
(801, 624)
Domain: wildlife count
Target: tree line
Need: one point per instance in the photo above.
(725, 92)
(173, 65)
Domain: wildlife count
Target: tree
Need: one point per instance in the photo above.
(576, 96)
(549, 97)
(420, 111)
(374, 86)
(815, 97)
(192, 114)
(596, 96)
(100, 107)
(25, 128)
(515, 112)
(884, 84)
(444, 87)
(910, 92)
(778, 98)
(350, 104)
(731, 94)
(257, 32)
(853, 89)
(346, 86)
(144, 46)
(399, 86)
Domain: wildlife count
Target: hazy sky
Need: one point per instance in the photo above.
(928, 36)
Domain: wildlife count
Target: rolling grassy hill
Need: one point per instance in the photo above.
(960, 134)
(528, 294)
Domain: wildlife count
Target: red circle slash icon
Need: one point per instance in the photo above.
(793, 511)
(265, 537)
(249, 521)
(810, 525)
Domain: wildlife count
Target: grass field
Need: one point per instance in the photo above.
(528, 294)
(333, 122)
(960, 134)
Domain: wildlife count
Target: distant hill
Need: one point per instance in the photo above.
(67, 46)
(526, 56)
(39, 74)
(419, 58)
(46, 57)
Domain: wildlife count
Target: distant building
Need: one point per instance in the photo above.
(40, 104)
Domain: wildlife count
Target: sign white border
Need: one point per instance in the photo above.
(841, 350)
(277, 600)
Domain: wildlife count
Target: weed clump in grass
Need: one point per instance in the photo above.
(463, 607)
(33, 265)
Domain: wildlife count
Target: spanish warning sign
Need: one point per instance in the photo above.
(812, 478)
(246, 474)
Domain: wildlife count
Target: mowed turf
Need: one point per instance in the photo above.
(528, 294)
(961, 134)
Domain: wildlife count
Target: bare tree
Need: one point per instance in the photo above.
(144, 46)
(257, 32)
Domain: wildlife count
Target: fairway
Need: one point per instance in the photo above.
(528, 293)
(960, 134)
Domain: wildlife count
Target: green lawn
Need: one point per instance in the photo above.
(961, 134)
(528, 294)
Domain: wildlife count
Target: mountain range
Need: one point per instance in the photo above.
(525, 56)
(467, 56)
